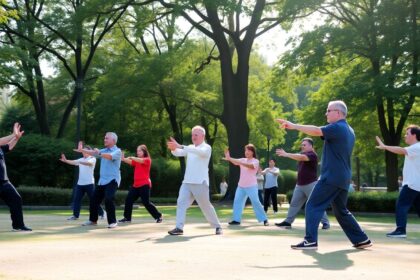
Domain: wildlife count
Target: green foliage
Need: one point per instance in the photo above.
(287, 180)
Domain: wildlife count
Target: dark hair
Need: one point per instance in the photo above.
(414, 129)
(252, 149)
(88, 147)
(309, 140)
(272, 160)
(144, 149)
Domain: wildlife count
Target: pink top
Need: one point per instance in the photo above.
(248, 176)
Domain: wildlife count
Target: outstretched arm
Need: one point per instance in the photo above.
(16, 135)
(307, 129)
(297, 157)
(393, 149)
(236, 161)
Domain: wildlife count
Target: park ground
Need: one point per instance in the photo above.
(61, 249)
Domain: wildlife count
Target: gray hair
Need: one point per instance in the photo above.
(339, 105)
(113, 136)
(198, 127)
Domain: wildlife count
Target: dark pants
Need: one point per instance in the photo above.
(406, 199)
(321, 197)
(79, 193)
(12, 199)
(260, 196)
(270, 193)
(144, 193)
(108, 192)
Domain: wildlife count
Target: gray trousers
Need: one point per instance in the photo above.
(200, 193)
(300, 196)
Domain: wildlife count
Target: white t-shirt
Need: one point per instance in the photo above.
(85, 171)
(411, 170)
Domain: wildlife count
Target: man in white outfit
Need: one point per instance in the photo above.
(195, 185)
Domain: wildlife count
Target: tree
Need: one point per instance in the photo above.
(233, 26)
(382, 37)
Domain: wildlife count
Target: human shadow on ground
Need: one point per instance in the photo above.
(337, 260)
(173, 238)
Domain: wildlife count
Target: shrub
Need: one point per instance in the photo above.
(287, 180)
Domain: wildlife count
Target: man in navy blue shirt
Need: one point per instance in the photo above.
(7, 191)
(332, 187)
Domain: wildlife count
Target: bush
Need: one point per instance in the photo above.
(287, 180)
(382, 202)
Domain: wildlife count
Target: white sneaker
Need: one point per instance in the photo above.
(113, 225)
(72, 218)
(90, 223)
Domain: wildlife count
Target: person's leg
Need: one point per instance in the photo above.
(273, 194)
(110, 191)
(260, 197)
(132, 195)
(144, 193)
(345, 218)
(252, 193)
(320, 198)
(239, 204)
(298, 199)
(95, 202)
(201, 194)
(184, 201)
(266, 199)
(79, 191)
(405, 200)
(416, 203)
(14, 201)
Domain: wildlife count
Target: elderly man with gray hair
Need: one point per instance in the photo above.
(195, 185)
(332, 187)
(109, 179)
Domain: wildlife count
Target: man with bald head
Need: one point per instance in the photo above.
(109, 179)
(332, 187)
(195, 185)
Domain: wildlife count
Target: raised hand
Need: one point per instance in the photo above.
(285, 124)
(281, 152)
(16, 130)
(63, 158)
(172, 144)
(227, 155)
(381, 144)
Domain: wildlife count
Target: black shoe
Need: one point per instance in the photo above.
(219, 231)
(232, 223)
(284, 225)
(305, 245)
(124, 220)
(266, 223)
(160, 219)
(397, 234)
(24, 228)
(325, 226)
(176, 231)
(363, 245)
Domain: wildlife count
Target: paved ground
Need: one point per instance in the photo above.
(60, 249)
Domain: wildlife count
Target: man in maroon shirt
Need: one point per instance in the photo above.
(306, 180)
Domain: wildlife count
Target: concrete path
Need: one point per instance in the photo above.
(60, 249)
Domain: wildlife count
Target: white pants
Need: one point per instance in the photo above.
(200, 193)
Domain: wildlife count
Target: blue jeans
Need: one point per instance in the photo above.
(102, 192)
(406, 199)
(321, 197)
(79, 193)
(14, 201)
(241, 195)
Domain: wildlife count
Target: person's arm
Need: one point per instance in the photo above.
(65, 160)
(137, 159)
(176, 149)
(17, 134)
(9, 138)
(297, 157)
(237, 161)
(307, 129)
(125, 159)
(88, 162)
(393, 149)
(276, 171)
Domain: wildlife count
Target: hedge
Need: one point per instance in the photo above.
(380, 202)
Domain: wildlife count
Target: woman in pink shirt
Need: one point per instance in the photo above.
(247, 186)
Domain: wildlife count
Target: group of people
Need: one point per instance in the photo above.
(330, 189)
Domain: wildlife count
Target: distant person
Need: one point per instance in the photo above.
(400, 183)
(223, 187)
(306, 181)
(141, 185)
(410, 191)
(109, 180)
(332, 187)
(8, 192)
(85, 182)
(247, 186)
(260, 182)
(271, 186)
(195, 185)
(351, 187)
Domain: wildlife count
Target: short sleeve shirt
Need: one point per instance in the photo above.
(248, 177)
(411, 170)
(142, 173)
(307, 170)
(110, 169)
(86, 171)
(339, 141)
